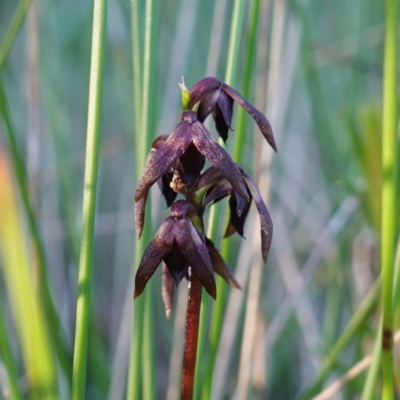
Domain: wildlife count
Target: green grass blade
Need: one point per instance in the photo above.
(370, 387)
(141, 369)
(389, 147)
(29, 317)
(13, 29)
(9, 360)
(135, 357)
(137, 65)
(148, 348)
(44, 289)
(143, 144)
(89, 203)
(235, 37)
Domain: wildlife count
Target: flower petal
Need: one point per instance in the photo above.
(164, 182)
(237, 220)
(202, 88)
(168, 289)
(159, 141)
(220, 124)
(265, 218)
(176, 263)
(241, 204)
(165, 157)
(207, 105)
(190, 165)
(182, 209)
(260, 119)
(155, 252)
(222, 114)
(225, 104)
(195, 251)
(218, 157)
(217, 192)
(140, 206)
(209, 177)
(230, 230)
(219, 265)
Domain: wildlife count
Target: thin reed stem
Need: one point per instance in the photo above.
(141, 365)
(13, 29)
(370, 386)
(9, 359)
(134, 384)
(89, 203)
(137, 65)
(389, 130)
(235, 37)
(143, 147)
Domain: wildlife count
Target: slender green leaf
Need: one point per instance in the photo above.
(389, 148)
(89, 203)
(29, 316)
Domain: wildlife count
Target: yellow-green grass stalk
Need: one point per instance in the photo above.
(235, 36)
(389, 148)
(52, 317)
(370, 386)
(134, 381)
(148, 105)
(13, 29)
(28, 314)
(12, 387)
(51, 312)
(89, 203)
(141, 367)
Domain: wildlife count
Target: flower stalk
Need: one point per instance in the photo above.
(191, 336)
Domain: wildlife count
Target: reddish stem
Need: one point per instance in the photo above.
(191, 335)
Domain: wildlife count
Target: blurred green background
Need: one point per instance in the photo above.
(316, 73)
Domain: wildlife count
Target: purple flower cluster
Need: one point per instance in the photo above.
(176, 162)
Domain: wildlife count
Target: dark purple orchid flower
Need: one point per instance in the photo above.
(191, 136)
(219, 188)
(169, 285)
(179, 244)
(213, 96)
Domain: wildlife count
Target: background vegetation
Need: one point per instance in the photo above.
(303, 321)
